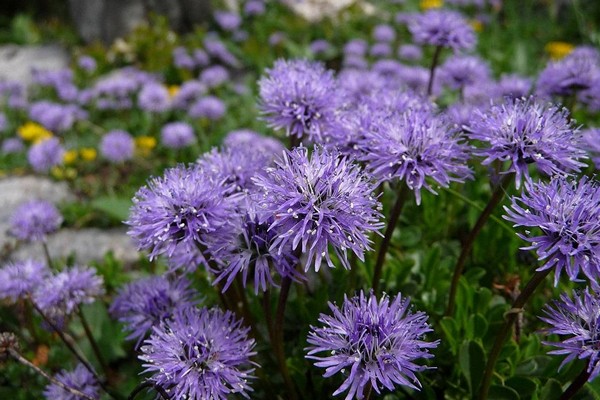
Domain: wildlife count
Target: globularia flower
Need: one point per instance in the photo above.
(384, 33)
(46, 154)
(444, 28)
(176, 135)
(21, 278)
(526, 132)
(579, 320)
(568, 214)
(209, 107)
(11, 146)
(513, 86)
(214, 76)
(460, 71)
(117, 146)
(184, 207)
(34, 220)
(568, 76)
(371, 342)
(319, 201)
(79, 379)
(297, 96)
(154, 97)
(200, 354)
(258, 142)
(61, 294)
(591, 137)
(415, 146)
(147, 302)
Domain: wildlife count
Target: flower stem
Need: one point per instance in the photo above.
(47, 254)
(18, 357)
(434, 62)
(148, 385)
(496, 198)
(511, 317)
(387, 238)
(577, 383)
(93, 343)
(278, 347)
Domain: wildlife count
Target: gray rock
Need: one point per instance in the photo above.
(16, 62)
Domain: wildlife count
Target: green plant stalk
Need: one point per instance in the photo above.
(496, 198)
(434, 62)
(148, 385)
(577, 383)
(517, 307)
(93, 343)
(277, 344)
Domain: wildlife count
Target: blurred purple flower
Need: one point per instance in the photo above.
(154, 97)
(254, 7)
(227, 20)
(592, 139)
(380, 50)
(56, 117)
(460, 71)
(188, 93)
(176, 135)
(19, 279)
(445, 28)
(46, 154)
(182, 59)
(12, 145)
(384, 33)
(356, 47)
(209, 107)
(117, 146)
(248, 138)
(410, 52)
(33, 220)
(320, 46)
(79, 379)
(87, 63)
(214, 76)
(568, 76)
(513, 86)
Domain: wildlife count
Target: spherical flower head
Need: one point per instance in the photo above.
(513, 86)
(209, 107)
(592, 139)
(227, 20)
(188, 93)
(460, 71)
(384, 33)
(319, 201)
(61, 294)
(46, 154)
(443, 28)
(298, 97)
(379, 50)
(87, 63)
(79, 379)
(320, 46)
(568, 214)
(414, 147)
(254, 7)
(176, 135)
(214, 76)
(182, 208)
(371, 342)
(182, 59)
(19, 279)
(568, 76)
(410, 52)
(523, 132)
(35, 219)
(579, 320)
(200, 354)
(250, 253)
(117, 146)
(154, 97)
(147, 302)
(356, 47)
(258, 142)
(55, 117)
(12, 145)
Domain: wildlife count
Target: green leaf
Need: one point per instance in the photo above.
(551, 390)
(451, 332)
(472, 363)
(524, 386)
(502, 393)
(476, 326)
(115, 207)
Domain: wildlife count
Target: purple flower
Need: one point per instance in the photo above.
(277, 38)
(249, 138)
(320, 46)
(87, 63)
(117, 146)
(176, 135)
(201, 58)
(297, 96)
(410, 52)
(356, 47)
(579, 320)
(154, 97)
(526, 132)
(60, 295)
(460, 71)
(355, 62)
(145, 303)
(34, 220)
(188, 93)
(183, 208)
(592, 139)
(214, 76)
(415, 146)
(371, 342)
(320, 201)
(568, 76)
(200, 354)
(56, 117)
(209, 107)
(79, 379)
(182, 59)
(513, 86)
(567, 212)
(443, 28)
(19, 279)
(215, 48)
(384, 33)
(379, 50)
(227, 20)
(115, 91)
(12, 145)
(254, 7)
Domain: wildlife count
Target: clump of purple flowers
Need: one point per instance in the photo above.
(79, 379)
(46, 154)
(371, 342)
(200, 354)
(147, 302)
(415, 146)
(523, 132)
(34, 220)
(579, 320)
(297, 97)
(568, 214)
(117, 146)
(154, 97)
(176, 135)
(19, 279)
(320, 200)
(444, 28)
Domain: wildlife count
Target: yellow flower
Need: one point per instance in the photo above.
(57, 172)
(429, 4)
(33, 132)
(88, 153)
(558, 50)
(145, 144)
(173, 90)
(477, 25)
(70, 156)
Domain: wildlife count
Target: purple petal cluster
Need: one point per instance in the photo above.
(258, 142)
(227, 20)
(214, 76)
(183, 208)
(523, 132)
(371, 342)
(188, 94)
(568, 76)
(145, 303)
(445, 28)
(117, 146)
(176, 135)
(19, 279)
(591, 137)
(298, 97)
(33, 220)
(579, 320)
(319, 201)
(12, 145)
(79, 379)
(413, 147)
(56, 117)
(154, 97)
(200, 354)
(46, 154)
(209, 107)
(567, 212)
(460, 71)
